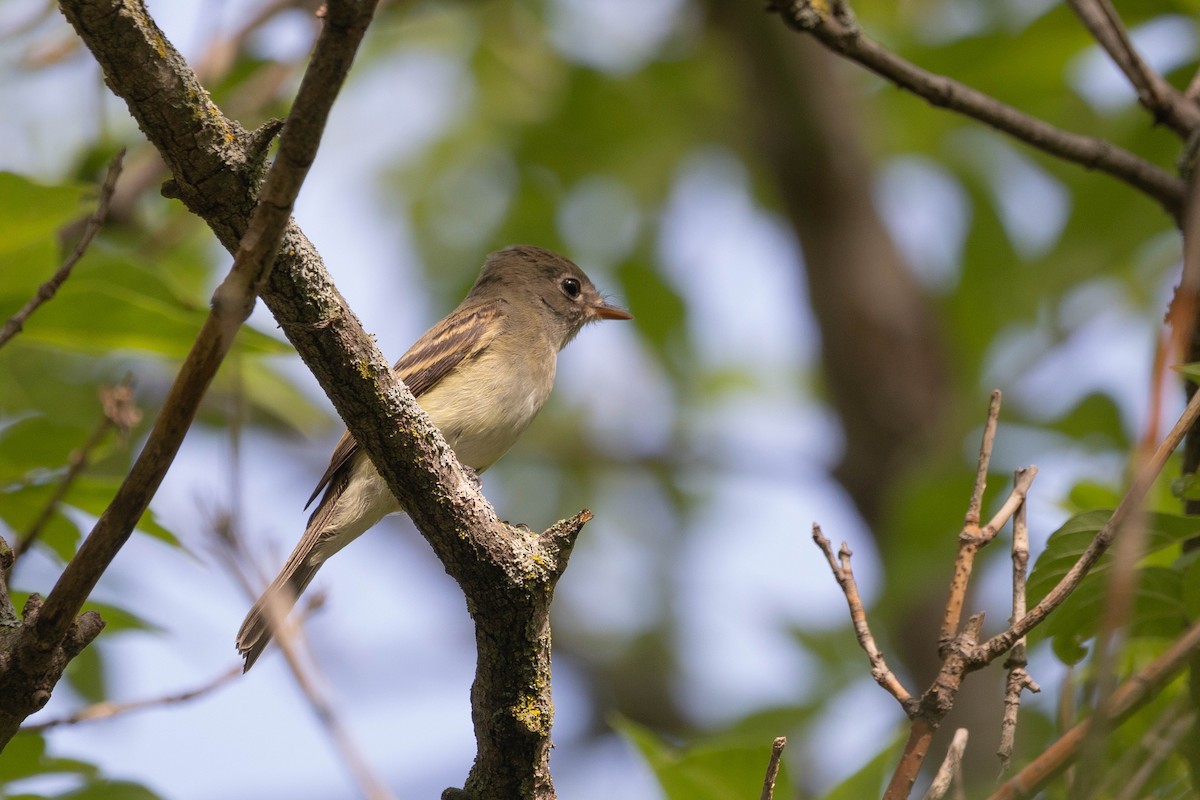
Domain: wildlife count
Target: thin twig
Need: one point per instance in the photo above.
(844, 575)
(1128, 698)
(982, 464)
(951, 767)
(839, 33)
(47, 290)
(1018, 679)
(768, 790)
(120, 413)
(289, 638)
(109, 709)
(972, 537)
(1154, 93)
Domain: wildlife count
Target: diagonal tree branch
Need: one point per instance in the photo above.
(508, 574)
(36, 654)
(835, 27)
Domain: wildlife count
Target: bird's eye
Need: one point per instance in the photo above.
(571, 287)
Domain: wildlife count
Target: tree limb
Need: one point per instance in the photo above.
(37, 654)
(508, 574)
(838, 30)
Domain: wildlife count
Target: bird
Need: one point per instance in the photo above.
(481, 374)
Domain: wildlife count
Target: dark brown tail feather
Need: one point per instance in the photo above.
(270, 610)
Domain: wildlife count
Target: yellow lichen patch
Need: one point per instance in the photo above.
(533, 715)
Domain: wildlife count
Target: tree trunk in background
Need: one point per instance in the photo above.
(881, 348)
(882, 351)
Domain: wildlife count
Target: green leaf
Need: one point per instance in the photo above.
(1191, 371)
(1087, 495)
(1158, 602)
(90, 494)
(272, 399)
(30, 212)
(115, 618)
(25, 756)
(728, 768)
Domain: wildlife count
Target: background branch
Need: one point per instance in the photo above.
(120, 412)
(109, 709)
(1155, 94)
(841, 34)
(951, 767)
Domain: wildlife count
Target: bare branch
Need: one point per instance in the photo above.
(1153, 92)
(858, 615)
(768, 790)
(232, 303)
(1018, 679)
(48, 289)
(109, 709)
(951, 767)
(507, 573)
(973, 537)
(840, 33)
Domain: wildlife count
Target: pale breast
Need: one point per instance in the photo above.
(483, 406)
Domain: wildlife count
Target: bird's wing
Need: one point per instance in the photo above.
(459, 337)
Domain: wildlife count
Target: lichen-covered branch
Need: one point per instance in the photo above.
(508, 574)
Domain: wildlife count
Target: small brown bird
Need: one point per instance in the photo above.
(481, 374)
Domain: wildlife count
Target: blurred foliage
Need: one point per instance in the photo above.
(726, 769)
(549, 143)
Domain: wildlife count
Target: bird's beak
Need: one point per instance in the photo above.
(602, 310)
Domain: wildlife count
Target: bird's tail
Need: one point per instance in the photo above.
(271, 609)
